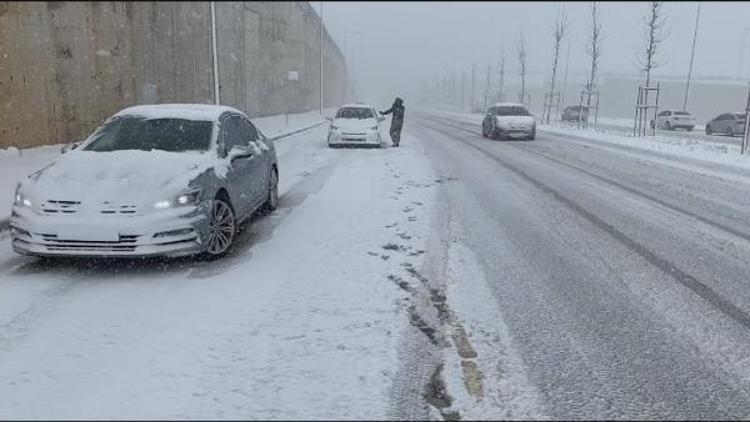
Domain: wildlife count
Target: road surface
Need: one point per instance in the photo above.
(452, 276)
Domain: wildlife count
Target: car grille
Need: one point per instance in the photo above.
(55, 206)
(126, 243)
(352, 139)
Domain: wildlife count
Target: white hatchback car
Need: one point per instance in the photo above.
(674, 119)
(355, 125)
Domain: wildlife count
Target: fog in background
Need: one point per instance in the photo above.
(404, 43)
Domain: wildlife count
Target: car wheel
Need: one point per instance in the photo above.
(222, 228)
(708, 129)
(667, 126)
(653, 125)
(484, 131)
(272, 199)
(690, 128)
(730, 132)
(532, 136)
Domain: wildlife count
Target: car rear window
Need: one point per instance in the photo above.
(681, 113)
(354, 113)
(739, 116)
(140, 133)
(511, 111)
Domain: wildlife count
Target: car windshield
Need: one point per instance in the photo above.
(141, 133)
(354, 113)
(511, 111)
(739, 116)
(681, 113)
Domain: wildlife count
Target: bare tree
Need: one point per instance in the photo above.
(501, 82)
(463, 90)
(473, 86)
(561, 25)
(593, 49)
(487, 85)
(522, 67)
(653, 35)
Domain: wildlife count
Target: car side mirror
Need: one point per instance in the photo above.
(240, 152)
(71, 146)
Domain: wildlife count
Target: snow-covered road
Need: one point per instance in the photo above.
(559, 278)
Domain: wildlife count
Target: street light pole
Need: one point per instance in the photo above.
(215, 55)
(320, 52)
(692, 55)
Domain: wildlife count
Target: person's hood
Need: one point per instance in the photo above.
(399, 101)
(118, 175)
(514, 120)
(354, 124)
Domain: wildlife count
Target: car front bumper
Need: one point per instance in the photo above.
(174, 232)
(369, 138)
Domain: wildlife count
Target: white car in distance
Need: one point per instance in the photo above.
(355, 125)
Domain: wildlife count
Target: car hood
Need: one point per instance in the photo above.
(85, 175)
(514, 120)
(354, 124)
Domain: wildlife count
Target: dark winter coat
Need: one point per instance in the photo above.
(398, 112)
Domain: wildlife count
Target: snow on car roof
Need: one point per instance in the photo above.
(508, 105)
(182, 111)
(356, 105)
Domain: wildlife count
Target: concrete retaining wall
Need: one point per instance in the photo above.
(66, 66)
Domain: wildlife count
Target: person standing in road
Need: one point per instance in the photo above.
(397, 121)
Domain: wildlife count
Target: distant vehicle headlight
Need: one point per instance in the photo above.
(183, 199)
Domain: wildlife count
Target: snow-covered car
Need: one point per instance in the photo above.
(732, 124)
(572, 114)
(508, 120)
(674, 119)
(355, 125)
(167, 180)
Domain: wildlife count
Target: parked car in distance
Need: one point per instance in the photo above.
(674, 119)
(508, 120)
(355, 125)
(572, 114)
(732, 124)
(165, 180)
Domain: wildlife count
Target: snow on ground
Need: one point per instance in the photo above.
(299, 323)
(18, 163)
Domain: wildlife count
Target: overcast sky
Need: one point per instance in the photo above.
(405, 42)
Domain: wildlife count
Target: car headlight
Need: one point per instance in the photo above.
(374, 128)
(181, 200)
(21, 199)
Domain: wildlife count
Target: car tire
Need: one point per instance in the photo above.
(653, 125)
(484, 131)
(730, 131)
(690, 128)
(708, 129)
(668, 126)
(272, 197)
(223, 222)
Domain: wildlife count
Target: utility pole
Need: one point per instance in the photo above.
(320, 51)
(692, 55)
(215, 55)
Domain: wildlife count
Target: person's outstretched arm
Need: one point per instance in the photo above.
(387, 111)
